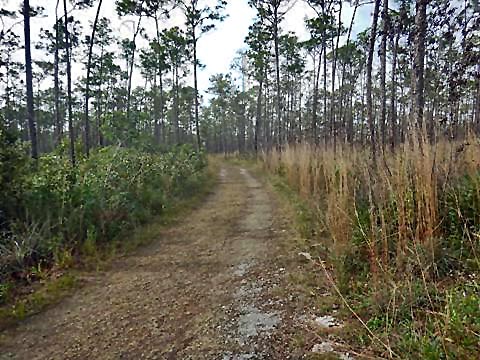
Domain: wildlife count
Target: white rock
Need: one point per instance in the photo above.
(324, 347)
(305, 255)
(327, 321)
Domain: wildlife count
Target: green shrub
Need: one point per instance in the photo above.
(113, 190)
(14, 169)
(461, 213)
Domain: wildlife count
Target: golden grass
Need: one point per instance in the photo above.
(401, 192)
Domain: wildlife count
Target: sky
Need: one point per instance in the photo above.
(216, 49)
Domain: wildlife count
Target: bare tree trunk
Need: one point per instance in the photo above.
(195, 80)
(350, 117)
(370, 116)
(419, 65)
(132, 63)
(87, 85)
(29, 81)
(266, 118)
(162, 115)
(477, 102)
(69, 87)
(383, 74)
(99, 102)
(350, 136)
(175, 105)
(159, 121)
(362, 128)
(334, 69)
(58, 124)
(403, 118)
(324, 46)
(156, 123)
(315, 99)
(300, 136)
(277, 75)
(393, 99)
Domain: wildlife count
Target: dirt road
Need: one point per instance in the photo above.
(207, 288)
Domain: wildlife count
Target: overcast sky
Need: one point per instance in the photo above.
(216, 50)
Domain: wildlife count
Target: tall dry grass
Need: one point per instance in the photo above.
(391, 212)
(402, 236)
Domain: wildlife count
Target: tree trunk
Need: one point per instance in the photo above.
(370, 116)
(159, 106)
(69, 87)
(99, 101)
(300, 126)
(362, 113)
(477, 102)
(350, 137)
(29, 81)
(349, 130)
(334, 69)
(324, 47)
(162, 117)
(195, 80)
(383, 74)
(403, 119)
(56, 87)
(316, 75)
(419, 66)
(393, 99)
(277, 75)
(132, 63)
(175, 105)
(87, 86)
(266, 119)
(156, 125)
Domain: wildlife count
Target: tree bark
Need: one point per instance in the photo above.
(277, 75)
(69, 87)
(370, 116)
(316, 75)
(56, 86)
(383, 74)
(324, 47)
(175, 104)
(159, 125)
(477, 102)
(87, 86)
(419, 66)
(132, 63)
(195, 81)
(334, 69)
(29, 81)
(349, 131)
(393, 99)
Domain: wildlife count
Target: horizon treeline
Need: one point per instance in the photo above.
(414, 71)
(416, 67)
(42, 103)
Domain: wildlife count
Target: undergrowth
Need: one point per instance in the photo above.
(402, 237)
(54, 217)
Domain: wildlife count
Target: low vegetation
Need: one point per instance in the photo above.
(53, 214)
(411, 221)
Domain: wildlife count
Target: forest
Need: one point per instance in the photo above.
(371, 130)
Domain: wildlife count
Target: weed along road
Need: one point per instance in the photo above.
(209, 287)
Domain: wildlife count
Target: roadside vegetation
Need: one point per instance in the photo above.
(401, 241)
(88, 156)
(55, 216)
